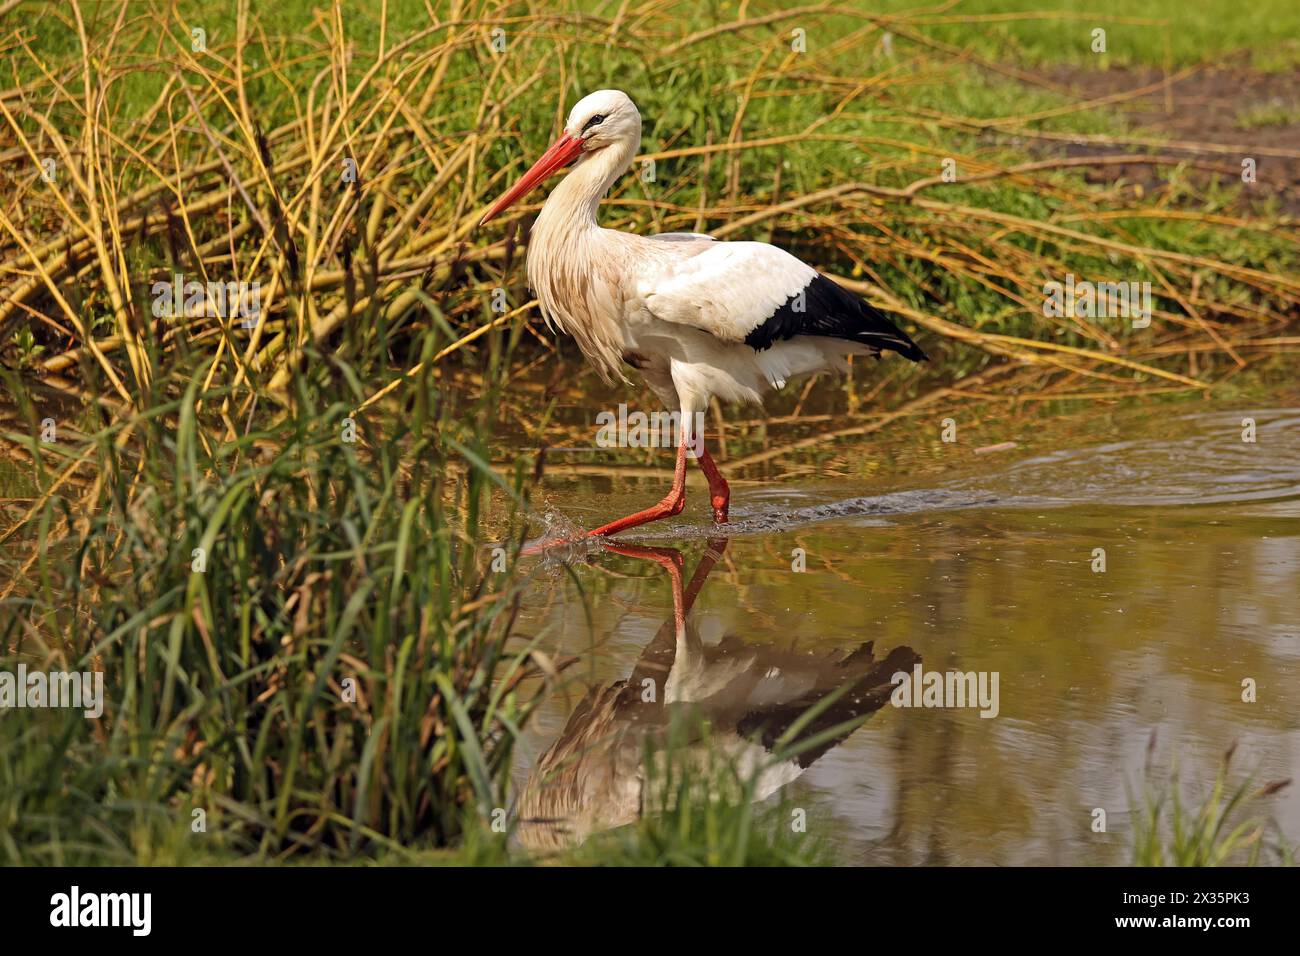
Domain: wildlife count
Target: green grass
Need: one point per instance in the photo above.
(1268, 115)
(1264, 35)
(1037, 32)
(1226, 828)
(700, 809)
(301, 634)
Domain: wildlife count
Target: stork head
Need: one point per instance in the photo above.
(597, 121)
(604, 118)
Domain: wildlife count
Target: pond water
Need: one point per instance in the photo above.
(1123, 574)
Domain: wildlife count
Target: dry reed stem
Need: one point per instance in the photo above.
(410, 233)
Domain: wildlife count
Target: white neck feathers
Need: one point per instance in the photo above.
(574, 266)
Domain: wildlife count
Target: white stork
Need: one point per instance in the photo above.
(696, 317)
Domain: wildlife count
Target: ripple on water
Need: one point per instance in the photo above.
(1203, 461)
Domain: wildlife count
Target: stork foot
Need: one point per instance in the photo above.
(670, 506)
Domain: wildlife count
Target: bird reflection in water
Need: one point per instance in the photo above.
(735, 699)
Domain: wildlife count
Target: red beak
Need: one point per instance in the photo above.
(562, 152)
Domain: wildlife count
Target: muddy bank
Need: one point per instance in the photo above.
(1219, 113)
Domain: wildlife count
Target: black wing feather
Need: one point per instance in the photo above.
(823, 307)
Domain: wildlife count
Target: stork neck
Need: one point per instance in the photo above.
(574, 201)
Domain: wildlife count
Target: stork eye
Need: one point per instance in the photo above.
(594, 121)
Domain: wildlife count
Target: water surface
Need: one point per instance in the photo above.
(980, 563)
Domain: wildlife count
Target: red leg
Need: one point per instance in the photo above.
(671, 560)
(719, 493)
(712, 555)
(672, 504)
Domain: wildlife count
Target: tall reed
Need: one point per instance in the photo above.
(305, 644)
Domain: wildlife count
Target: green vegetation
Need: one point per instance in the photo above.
(1269, 114)
(304, 636)
(1157, 33)
(298, 624)
(1225, 829)
(706, 816)
(333, 179)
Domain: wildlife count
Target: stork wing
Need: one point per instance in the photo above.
(681, 236)
(758, 294)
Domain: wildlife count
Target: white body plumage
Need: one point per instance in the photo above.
(678, 307)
